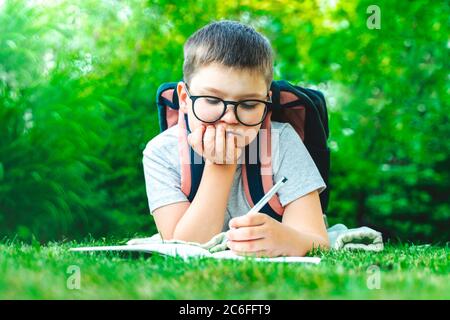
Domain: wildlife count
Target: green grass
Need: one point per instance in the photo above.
(41, 272)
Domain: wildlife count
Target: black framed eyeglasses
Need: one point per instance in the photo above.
(210, 109)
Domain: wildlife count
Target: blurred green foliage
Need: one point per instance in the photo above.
(77, 106)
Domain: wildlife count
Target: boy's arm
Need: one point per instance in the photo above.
(305, 218)
(167, 217)
(204, 217)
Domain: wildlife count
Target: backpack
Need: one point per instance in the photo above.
(305, 109)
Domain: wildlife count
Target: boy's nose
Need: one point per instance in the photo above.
(229, 115)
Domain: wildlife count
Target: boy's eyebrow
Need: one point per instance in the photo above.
(248, 95)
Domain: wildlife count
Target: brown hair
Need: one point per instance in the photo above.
(231, 44)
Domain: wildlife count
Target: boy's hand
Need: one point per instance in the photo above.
(257, 235)
(214, 145)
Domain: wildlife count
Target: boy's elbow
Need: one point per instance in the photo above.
(324, 243)
(188, 236)
(320, 243)
(181, 235)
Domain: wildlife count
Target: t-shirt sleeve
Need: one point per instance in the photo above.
(296, 164)
(162, 178)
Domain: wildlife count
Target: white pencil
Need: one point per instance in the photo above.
(261, 203)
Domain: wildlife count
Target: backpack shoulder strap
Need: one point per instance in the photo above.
(257, 173)
(169, 115)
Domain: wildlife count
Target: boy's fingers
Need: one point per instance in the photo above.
(240, 139)
(220, 144)
(209, 142)
(238, 153)
(195, 139)
(230, 149)
(248, 220)
(246, 247)
(238, 149)
(246, 233)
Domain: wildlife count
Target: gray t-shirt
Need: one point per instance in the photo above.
(290, 159)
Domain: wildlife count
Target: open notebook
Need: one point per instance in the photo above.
(187, 251)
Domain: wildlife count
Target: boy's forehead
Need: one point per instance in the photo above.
(222, 80)
(223, 91)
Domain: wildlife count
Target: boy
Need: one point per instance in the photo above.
(229, 61)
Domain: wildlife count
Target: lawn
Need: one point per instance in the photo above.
(46, 272)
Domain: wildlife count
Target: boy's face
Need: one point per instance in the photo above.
(228, 84)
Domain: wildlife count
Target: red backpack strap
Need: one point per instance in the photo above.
(266, 164)
(184, 153)
(191, 163)
(259, 180)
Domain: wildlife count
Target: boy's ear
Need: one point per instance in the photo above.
(182, 97)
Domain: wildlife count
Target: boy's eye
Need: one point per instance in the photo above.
(248, 105)
(213, 101)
